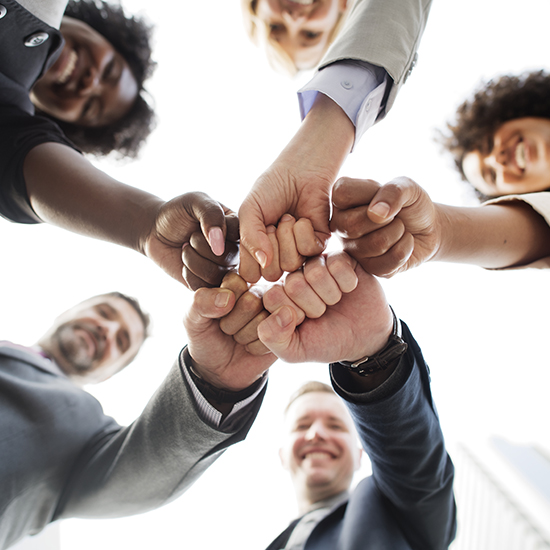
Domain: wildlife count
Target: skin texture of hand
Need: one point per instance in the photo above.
(358, 325)
(186, 218)
(386, 228)
(391, 228)
(321, 283)
(297, 183)
(217, 357)
(66, 190)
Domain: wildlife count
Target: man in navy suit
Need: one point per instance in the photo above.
(377, 368)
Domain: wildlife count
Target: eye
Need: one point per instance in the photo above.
(90, 110)
(310, 35)
(488, 145)
(104, 311)
(123, 342)
(276, 28)
(109, 70)
(490, 176)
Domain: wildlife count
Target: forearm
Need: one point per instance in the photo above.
(67, 191)
(400, 431)
(492, 236)
(151, 462)
(322, 142)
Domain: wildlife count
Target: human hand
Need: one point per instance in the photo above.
(386, 228)
(358, 325)
(184, 219)
(321, 283)
(297, 183)
(216, 356)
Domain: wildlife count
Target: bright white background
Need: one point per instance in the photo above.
(223, 117)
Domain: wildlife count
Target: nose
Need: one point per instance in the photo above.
(108, 330)
(316, 432)
(293, 15)
(90, 82)
(497, 158)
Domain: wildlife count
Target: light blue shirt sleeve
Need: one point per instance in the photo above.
(356, 86)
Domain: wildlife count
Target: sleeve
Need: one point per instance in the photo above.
(358, 88)
(540, 203)
(385, 33)
(20, 132)
(151, 462)
(400, 431)
(207, 412)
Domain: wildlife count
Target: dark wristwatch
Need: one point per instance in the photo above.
(394, 349)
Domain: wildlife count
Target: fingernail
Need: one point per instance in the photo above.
(271, 229)
(261, 258)
(216, 240)
(284, 317)
(287, 218)
(381, 209)
(222, 298)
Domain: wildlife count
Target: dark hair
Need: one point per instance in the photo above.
(145, 317)
(499, 100)
(131, 37)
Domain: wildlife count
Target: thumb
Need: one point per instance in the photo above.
(277, 332)
(211, 217)
(254, 240)
(392, 198)
(208, 304)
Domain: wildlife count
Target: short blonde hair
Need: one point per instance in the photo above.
(259, 34)
(309, 387)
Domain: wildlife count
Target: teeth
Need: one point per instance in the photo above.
(520, 155)
(317, 455)
(303, 2)
(69, 68)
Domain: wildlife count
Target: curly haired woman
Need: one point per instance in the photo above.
(86, 71)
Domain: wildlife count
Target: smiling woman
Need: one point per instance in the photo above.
(95, 89)
(500, 139)
(295, 34)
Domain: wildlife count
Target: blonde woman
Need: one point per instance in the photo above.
(295, 34)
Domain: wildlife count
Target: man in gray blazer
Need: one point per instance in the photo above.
(61, 456)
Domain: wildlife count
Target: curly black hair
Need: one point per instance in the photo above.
(131, 37)
(497, 101)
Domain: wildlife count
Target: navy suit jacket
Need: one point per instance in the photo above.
(408, 502)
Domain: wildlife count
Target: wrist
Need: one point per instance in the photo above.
(386, 356)
(443, 231)
(323, 141)
(221, 399)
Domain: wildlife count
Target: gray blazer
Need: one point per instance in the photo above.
(385, 33)
(61, 456)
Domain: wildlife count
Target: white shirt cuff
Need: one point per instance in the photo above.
(357, 87)
(206, 411)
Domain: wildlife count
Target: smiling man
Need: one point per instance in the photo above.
(96, 338)
(382, 399)
(62, 457)
(321, 450)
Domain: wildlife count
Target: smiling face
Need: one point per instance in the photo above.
(320, 449)
(95, 339)
(302, 28)
(90, 84)
(515, 160)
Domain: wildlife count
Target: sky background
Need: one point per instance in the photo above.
(223, 118)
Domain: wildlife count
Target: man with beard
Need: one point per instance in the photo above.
(61, 456)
